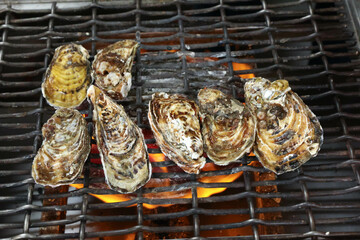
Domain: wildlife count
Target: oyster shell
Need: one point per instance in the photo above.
(288, 133)
(228, 127)
(68, 77)
(174, 121)
(64, 150)
(111, 68)
(121, 144)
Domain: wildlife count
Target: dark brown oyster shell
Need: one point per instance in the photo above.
(228, 127)
(121, 144)
(174, 121)
(64, 150)
(288, 133)
(111, 68)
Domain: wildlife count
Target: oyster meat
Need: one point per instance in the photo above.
(174, 121)
(288, 133)
(64, 150)
(121, 144)
(111, 68)
(228, 127)
(68, 77)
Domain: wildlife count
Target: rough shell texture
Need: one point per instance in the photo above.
(64, 150)
(121, 144)
(68, 77)
(288, 133)
(174, 121)
(111, 68)
(228, 127)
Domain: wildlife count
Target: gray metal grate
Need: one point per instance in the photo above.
(187, 45)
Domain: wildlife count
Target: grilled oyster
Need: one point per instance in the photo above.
(64, 150)
(68, 77)
(228, 127)
(288, 133)
(111, 68)
(121, 144)
(174, 121)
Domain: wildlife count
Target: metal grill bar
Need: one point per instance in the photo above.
(85, 196)
(310, 43)
(139, 112)
(336, 100)
(184, 72)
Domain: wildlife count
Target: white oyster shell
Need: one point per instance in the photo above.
(121, 144)
(288, 133)
(174, 121)
(64, 150)
(111, 68)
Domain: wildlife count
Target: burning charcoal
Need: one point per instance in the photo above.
(121, 144)
(267, 202)
(174, 121)
(64, 150)
(68, 77)
(288, 133)
(54, 215)
(111, 68)
(228, 127)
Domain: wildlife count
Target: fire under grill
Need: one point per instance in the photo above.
(185, 46)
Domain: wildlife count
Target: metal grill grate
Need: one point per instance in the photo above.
(187, 45)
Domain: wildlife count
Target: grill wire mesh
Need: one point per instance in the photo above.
(309, 43)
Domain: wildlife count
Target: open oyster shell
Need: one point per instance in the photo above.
(67, 77)
(228, 127)
(288, 133)
(64, 150)
(174, 121)
(111, 68)
(121, 144)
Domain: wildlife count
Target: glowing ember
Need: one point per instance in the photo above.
(243, 66)
(201, 192)
(158, 157)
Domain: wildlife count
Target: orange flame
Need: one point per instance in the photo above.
(201, 192)
(158, 157)
(236, 66)
(243, 66)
